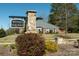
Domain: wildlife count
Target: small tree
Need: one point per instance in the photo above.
(2, 33)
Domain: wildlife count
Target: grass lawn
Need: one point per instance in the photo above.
(11, 38)
(8, 39)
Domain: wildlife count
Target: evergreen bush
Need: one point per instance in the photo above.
(2, 33)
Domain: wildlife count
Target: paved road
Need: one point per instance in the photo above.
(4, 50)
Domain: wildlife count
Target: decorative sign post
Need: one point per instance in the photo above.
(31, 22)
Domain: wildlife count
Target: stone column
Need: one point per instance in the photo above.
(31, 21)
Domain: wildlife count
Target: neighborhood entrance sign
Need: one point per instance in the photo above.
(27, 22)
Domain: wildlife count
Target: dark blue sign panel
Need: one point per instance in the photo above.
(17, 23)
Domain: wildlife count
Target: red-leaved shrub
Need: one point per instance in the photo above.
(30, 44)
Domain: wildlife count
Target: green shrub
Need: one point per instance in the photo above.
(2, 33)
(30, 44)
(6, 45)
(51, 46)
(13, 46)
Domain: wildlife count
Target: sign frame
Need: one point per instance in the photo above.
(16, 19)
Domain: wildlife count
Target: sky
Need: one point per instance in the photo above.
(19, 9)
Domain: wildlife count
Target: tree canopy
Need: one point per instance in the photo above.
(64, 15)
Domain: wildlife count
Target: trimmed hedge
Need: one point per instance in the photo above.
(30, 44)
